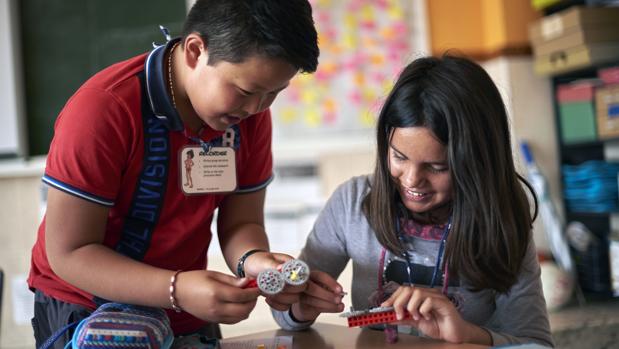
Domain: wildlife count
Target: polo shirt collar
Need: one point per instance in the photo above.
(157, 87)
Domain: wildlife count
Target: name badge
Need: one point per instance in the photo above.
(207, 172)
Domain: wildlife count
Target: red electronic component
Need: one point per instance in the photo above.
(269, 281)
(251, 283)
(372, 316)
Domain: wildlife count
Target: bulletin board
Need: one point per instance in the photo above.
(364, 44)
(66, 42)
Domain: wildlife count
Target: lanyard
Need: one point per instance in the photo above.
(409, 265)
(441, 249)
(439, 256)
(206, 146)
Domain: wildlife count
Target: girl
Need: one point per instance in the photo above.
(442, 229)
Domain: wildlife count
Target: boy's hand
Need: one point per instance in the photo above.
(323, 295)
(215, 297)
(260, 261)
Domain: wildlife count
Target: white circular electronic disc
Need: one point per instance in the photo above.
(296, 272)
(271, 281)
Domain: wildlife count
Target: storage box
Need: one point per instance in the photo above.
(609, 75)
(578, 91)
(577, 122)
(607, 107)
(578, 36)
(575, 58)
(561, 23)
(575, 38)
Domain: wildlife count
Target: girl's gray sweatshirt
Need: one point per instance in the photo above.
(342, 233)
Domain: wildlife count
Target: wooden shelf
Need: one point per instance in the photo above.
(587, 144)
(592, 214)
(592, 265)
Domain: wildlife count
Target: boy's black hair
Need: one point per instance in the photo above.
(236, 29)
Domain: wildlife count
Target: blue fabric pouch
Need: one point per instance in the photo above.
(119, 326)
(115, 325)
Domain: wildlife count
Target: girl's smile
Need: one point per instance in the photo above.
(418, 164)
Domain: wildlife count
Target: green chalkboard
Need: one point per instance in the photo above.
(64, 42)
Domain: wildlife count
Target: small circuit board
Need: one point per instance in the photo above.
(372, 316)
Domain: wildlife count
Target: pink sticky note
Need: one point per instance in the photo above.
(354, 5)
(329, 118)
(368, 24)
(399, 27)
(382, 4)
(377, 77)
(323, 16)
(355, 97)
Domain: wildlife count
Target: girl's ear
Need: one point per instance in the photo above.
(195, 50)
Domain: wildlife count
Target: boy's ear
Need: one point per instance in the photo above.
(195, 50)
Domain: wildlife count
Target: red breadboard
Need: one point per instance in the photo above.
(382, 317)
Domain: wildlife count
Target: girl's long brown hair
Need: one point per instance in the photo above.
(491, 214)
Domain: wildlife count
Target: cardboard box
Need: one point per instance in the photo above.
(542, 4)
(576, 58)
(561, 23)
(607, 108)
(578, 36)
(577, 122)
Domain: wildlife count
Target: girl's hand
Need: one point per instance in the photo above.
(432, 313)
(215, 297)
(323, 295)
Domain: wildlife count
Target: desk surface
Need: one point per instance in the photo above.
(334, 337)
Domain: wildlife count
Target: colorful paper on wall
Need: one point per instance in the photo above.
(364, 44)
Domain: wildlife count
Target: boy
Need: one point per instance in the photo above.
(120, 225)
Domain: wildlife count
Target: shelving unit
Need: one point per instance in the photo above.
(593, 264)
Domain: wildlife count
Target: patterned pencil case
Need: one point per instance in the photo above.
(115, 325)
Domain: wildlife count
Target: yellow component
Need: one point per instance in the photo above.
(293, 275)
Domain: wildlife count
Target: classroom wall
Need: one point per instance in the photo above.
(528, 102)
(20, 211)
